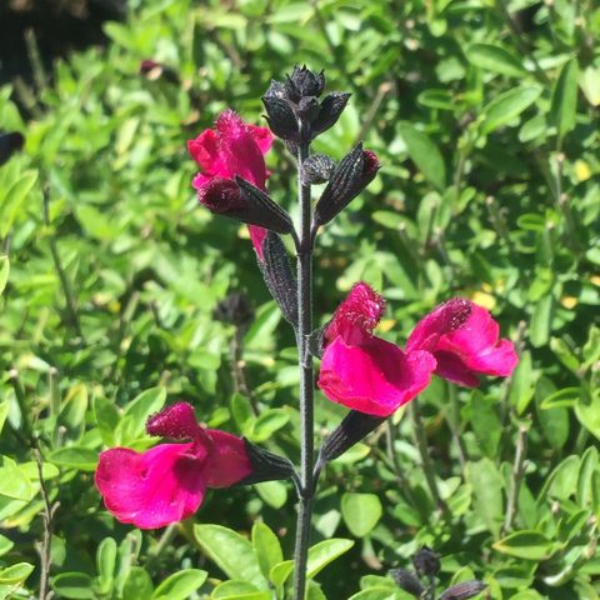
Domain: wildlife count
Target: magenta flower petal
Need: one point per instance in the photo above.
(357, 315)
(262, 136)
(229, 462)
(155, 488)
(447, 317)
(465, 342)
(239, 150)
(258, 236)
(375, 377)
(233, 149)
(177, 421)
(452, 368)
(206, 151)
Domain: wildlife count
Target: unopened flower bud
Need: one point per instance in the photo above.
(281, 118)
(426, 562)
(221, 196)
(278, 275)
(354, 428)
(317, 168)
(303, 82)
(464, 591)
(266, 466)
(351, 176)
(407, 581)
(244, 202)
(308, 108)
(331, 108)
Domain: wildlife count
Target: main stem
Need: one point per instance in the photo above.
(305, 250)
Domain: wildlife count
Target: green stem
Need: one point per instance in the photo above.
(517, 477)
(305, 249)
(421, 439)
(62, 276)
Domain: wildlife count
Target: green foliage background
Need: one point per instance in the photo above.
(486, 122)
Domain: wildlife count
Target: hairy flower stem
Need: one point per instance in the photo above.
(305, 249)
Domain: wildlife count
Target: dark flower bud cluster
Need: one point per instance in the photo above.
(294, 111)
(427, 565)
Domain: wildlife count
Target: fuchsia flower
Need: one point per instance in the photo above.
(233, 148)
(167, 483)
(458, 341)
(362, 371)
(464, 338)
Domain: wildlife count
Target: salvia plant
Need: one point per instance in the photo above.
(458, 341)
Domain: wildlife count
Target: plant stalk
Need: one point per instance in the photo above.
(421, 439)
(305, 250)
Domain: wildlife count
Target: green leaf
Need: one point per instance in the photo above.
(361, 512)
(267, 548)
(528, 545)
(522, 384)
(562, 482)
(75, 457)
(486, 423)
(107, 418)
(106, 558)
(96, 223)
(495, 59)
(280, 572)
(564, 398)
(590, 84)
(563, 110)
(138, 584)
(541, 320)
(269, 422)
(588, 414)
(180, 585)
(239, 590)
(4, 407)
(274, 493)
(241, 410)
(6, 545)
(73, 585)
(14, 483)
(507, 106)
(440, 99)
(11, 200)
(16, 573)
(323, 553)
(589, 465)
(488, 485)
(380, 593)
(4, 272)
(555, 421)
(424, 154)
(231, 552)
(143, 406)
